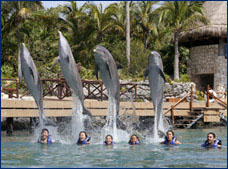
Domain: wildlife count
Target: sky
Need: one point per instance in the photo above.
(49, 4)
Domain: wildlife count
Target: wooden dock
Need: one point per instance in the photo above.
(57, 108)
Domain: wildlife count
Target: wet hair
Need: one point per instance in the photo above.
(84, 133)
(129, 142)
(212, 134)
(109, 136)
(170, 131)
(44, 130)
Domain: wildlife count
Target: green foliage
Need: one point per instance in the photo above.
(6, 71)
(87, 74)
(200, 95)
(185, 78)
(168, 79)
(84, 28)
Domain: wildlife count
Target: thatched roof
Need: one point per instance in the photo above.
(216, 12)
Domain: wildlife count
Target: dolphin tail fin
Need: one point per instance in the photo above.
(146, 73)
(87, 112)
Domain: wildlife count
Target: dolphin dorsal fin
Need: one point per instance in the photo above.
(146, 73)
(96, 70)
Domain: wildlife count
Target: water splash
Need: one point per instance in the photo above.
(111, 127)
(77, 122)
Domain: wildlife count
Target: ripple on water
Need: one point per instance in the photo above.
(17, 151)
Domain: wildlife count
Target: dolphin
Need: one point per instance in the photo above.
(156, 82)
(105, 64)
(70, 71)
(32, 80)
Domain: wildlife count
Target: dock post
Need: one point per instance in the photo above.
(9, 125)
(101, 83)
(172, 115)
(18, 88)
(135, 86)
(207, 104)
(191, 99)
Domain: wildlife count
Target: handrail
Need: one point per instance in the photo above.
(173, 106)
(177, 103)
(212, 95)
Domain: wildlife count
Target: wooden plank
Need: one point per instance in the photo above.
(211, 119)
(7, 103)
(33, 113)
(210, 112)
(68, 112)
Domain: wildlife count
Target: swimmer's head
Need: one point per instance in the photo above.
(82, 135)
(169, 135)
(108, 139)
(211, 137)
(44, 133)
(134, 139)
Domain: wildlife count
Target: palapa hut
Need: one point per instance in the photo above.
(208, 48)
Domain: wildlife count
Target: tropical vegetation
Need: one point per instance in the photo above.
(153, 25)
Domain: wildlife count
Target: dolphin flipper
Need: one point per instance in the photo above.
(162, 74)
(34, 75)
(55, 62)
(146, 73)
(119, 66)
(96, 70)
(107, 64)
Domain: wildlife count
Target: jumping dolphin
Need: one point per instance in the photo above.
(70, 70)
(32, 80)
(105, 64)
(156, 81)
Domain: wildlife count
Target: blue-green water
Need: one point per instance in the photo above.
(20, 151)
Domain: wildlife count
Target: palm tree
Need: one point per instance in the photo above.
(181, 15)
(17, 12)
(102, 20)
(128, 35)
(145, 20)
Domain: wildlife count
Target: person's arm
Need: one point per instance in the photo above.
(87, 142)
(177, 142)
(52, 140)
(162, 142)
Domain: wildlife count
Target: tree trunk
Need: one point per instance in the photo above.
(176, 60)
(18, 53)
(146, 40)
(128, 35)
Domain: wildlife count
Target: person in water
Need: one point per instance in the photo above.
(211, 141)
(134, 140)
(83, 138)
(108, 140)
(170, 139)
(45, 138)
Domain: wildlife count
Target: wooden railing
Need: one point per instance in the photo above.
(213, 96)
(59, 88)
(172, 107)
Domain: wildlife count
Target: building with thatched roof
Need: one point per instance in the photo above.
(208, 48)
